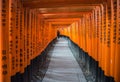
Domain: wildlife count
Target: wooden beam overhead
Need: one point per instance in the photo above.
(73, 13)
(66, 9)
(62, 16)
(58, 3)
(63, 20)
(61, 24)
(65, 15)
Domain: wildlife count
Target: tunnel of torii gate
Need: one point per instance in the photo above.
(29, 27)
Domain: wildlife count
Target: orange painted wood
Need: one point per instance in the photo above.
(107, 44)
(5, 38)
(25, 38)
(113, 38)
(58, 3)
(1, 79)
(103, 37)
(22, 41)
(12, 38)
(17, 66)
(93, 34)
(88, 34)
(117, 55)
(100, 27)
(32, 35)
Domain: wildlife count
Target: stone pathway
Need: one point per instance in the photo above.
(63, 66)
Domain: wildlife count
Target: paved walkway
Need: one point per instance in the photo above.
(63, 67)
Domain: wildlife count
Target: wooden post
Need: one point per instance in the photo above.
(5, 39)
(113, 37)
(22, 42)
(117, 55)
(1, 79)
